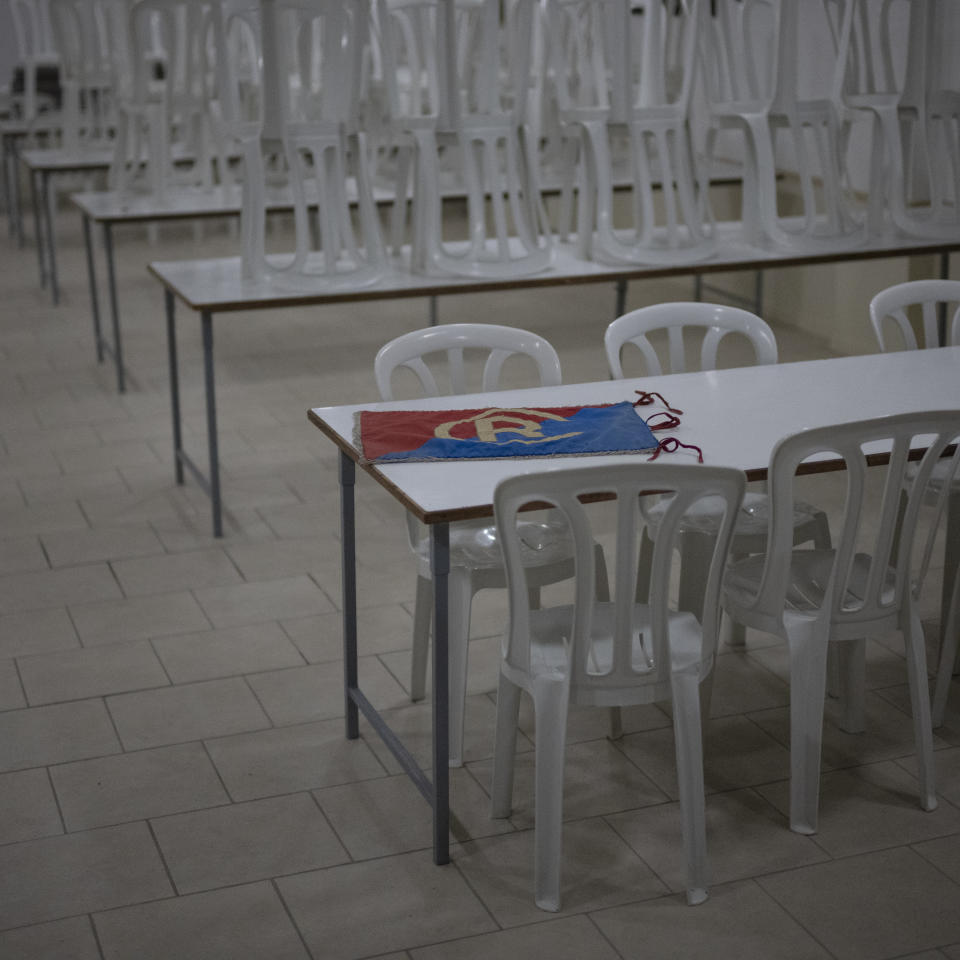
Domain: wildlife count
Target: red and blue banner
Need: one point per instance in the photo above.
(408, 435)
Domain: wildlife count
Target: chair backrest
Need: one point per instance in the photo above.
(713, 321)
(889, 309)
(588, 55)
(82, 33)
(869, 33)
(31, 30)
(868, 575)
(448, 343)
(663, 52)
(594, 670)
(740, 46)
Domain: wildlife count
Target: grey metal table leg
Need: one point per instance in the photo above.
(38, 227)
(206, 321)
(698, 287)
(440, 570)
(114, 312)
(50, 237)
(621, 298)
(348, 547)
(92, 280)
(174, 384)
(433, 312)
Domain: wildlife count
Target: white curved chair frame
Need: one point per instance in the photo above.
(889, 308)
(508, 234)
(475, 560)
(763, 109)
(713, 322)
(867, 86)
(606, 654)
(594, 47)
(305, 119)
(812, 598)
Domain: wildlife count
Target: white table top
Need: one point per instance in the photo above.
(217, 285)
(735, 416)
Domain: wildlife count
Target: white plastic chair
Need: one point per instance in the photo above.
(35, 51)
(869, 86)
(475, 130)
(475, 558)
(750, 77)
(623, 75)
(288, 89)
(81, 30)
(605, 654)
(166, 135)
(713, 323)
(812, 598)
(889, 308)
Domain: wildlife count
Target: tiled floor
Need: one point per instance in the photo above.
(174, 779)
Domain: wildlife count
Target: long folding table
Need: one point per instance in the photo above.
(735, 416)
(212, 287)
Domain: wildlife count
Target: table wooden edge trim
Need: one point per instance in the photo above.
(452, 285)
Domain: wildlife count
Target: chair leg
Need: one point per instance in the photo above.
(504, 748)
(689, 750)
(808, 669)
(550, 706)
(422, 617)
(920, 708)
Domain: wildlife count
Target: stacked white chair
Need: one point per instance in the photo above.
(457, 95)
(871, 89)
(167, 135)
(289, 87)
(36, 53)
(751, 71)
(439, 359)
(623, 76)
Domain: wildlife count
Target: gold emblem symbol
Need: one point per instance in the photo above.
(489, 424)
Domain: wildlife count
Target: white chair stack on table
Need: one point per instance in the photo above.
(870, 87)
(643, 331)
(468, 117)
(36, 53)
(166, 135)
(814, 598)
(614, 653)
(938, 302)
(288, 89)
(622, 74)
(751, 70)
(82, 31)
(475, 558)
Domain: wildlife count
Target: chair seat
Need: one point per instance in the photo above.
(752, 520)
(476, 544)
(551, 627)
(809, 574)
